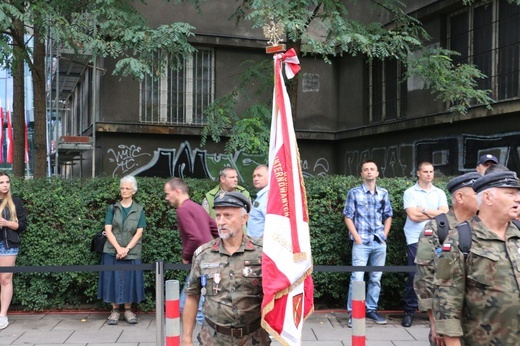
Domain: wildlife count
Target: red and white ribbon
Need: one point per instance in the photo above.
(292, 64)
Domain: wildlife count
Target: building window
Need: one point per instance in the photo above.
(387, 92)
(487, 36)
(180, 96)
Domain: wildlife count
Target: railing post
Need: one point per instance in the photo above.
(173, 312)
(159, 302)
(358, 313)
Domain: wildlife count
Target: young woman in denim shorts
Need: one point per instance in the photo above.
(12, 217)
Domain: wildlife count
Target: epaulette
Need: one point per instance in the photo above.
(203, 247)
(258, 242)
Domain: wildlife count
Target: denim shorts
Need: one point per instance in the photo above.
(7, 252)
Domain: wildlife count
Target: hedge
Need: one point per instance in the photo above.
(64, 215)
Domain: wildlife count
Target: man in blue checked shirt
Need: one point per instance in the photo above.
(368, 216)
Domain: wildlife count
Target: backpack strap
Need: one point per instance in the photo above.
(465, 238)
(443, 226)
(516, 223)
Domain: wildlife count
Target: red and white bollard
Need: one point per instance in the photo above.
(358, 313)
(173, 313)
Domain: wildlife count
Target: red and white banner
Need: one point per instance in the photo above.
(9, 138)
(286, 260)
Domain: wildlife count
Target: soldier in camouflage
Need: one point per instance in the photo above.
(464, 206)
(477, 300)
(228, 272)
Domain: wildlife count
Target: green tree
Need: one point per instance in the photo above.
(105, 28)
(327, 28)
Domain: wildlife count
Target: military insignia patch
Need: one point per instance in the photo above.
(446, 247)
(297, 309)
(428, 232)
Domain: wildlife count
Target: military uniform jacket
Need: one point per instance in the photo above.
(428, 250)
(479, 298)
(233, 289)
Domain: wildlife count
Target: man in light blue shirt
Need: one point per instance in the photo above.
(368, 216)
(255, 225)
(422, 202)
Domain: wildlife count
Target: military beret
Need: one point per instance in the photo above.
(462, 181)
(232, 199)
(486, 158)
(497, 179)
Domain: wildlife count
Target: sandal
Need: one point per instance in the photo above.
(130, 317)
(113, 318)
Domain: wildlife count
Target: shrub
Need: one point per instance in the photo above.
(64, 215)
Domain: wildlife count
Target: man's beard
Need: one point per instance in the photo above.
(229, 234)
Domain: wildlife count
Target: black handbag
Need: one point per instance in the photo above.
(98, 242)
(100, 238)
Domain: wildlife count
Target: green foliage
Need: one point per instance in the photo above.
(328, 29)
(455, 84)
(249, 130)
(64, 215)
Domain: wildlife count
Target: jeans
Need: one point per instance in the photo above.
(410, 298)
(369, 253)
(182, 301)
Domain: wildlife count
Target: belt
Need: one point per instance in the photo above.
(235, 332)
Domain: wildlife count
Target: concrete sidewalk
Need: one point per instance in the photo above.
(324, 328)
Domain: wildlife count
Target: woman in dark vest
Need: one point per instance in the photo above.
(124, 226)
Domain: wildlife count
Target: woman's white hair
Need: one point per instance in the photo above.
(129, 179)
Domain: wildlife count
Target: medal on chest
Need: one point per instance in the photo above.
(203, 282)
(216, 279)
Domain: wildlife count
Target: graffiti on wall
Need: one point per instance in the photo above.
(449, 155)
(185, 162)
(125, 158)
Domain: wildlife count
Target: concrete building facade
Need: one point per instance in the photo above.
(348, 110)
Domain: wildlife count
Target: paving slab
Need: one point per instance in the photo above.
(32, 337)
(323, 328)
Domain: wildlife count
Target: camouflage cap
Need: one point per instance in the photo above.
(232, 199)
(462, 181)
(497, 179)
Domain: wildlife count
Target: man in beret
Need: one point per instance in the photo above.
(227, 271)
(485, 161)
(464, 206)
(477, 298)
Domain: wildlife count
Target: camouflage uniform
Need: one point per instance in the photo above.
(236, 300)
(428, 250)
(478, 298)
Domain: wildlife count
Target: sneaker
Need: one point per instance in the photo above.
(374, 316)
(349, 323)
(407, 319)
(4, 322)
(130, 317)
(113, 318)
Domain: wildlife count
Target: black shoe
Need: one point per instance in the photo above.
(407, 319)
(374, 316)
(349, 323)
